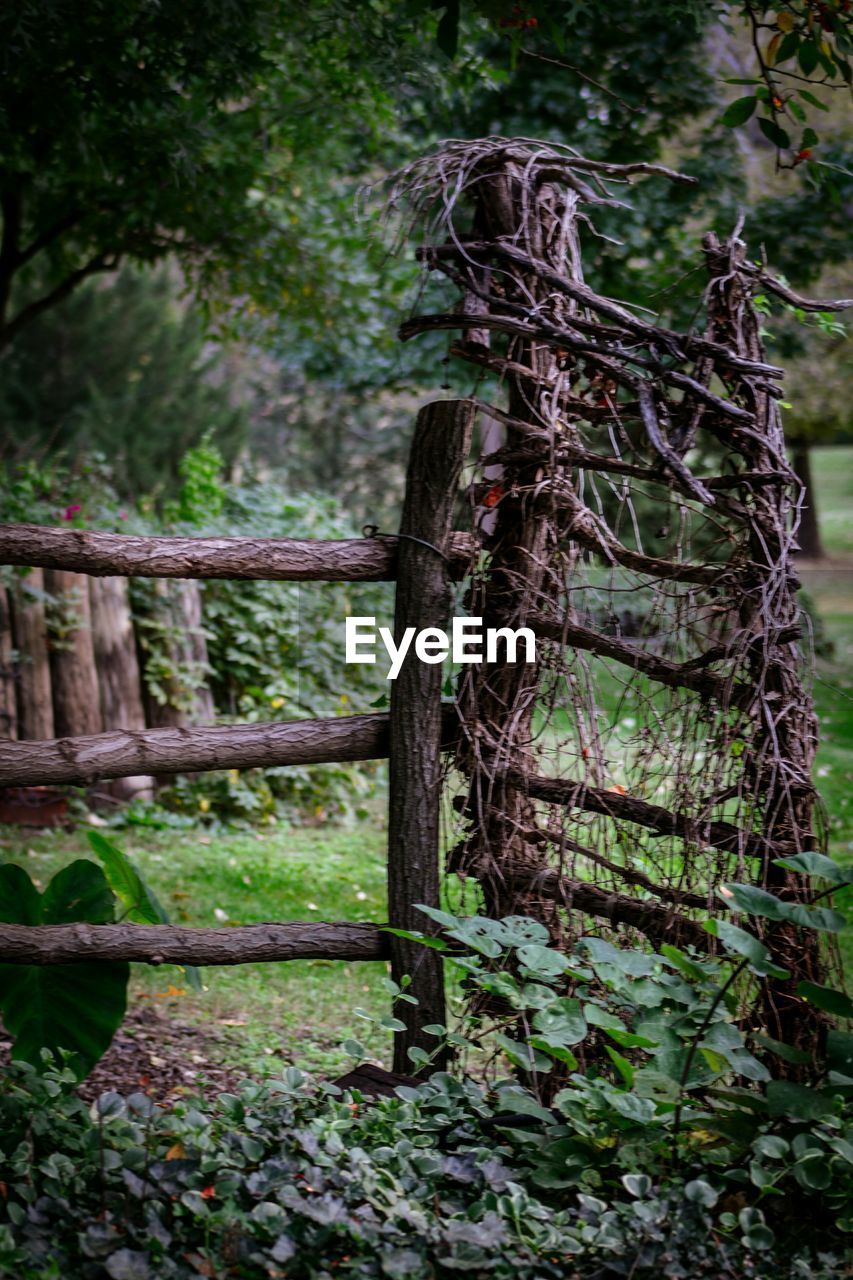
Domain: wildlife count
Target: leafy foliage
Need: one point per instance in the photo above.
(276, 1179)
(75, 1007)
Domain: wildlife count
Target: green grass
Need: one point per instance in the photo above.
(297, 1010)
(832, 469)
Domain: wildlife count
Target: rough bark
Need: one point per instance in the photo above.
(177, 613)
(809, 531)
(83, 761)
(439, 449)
(76, 699)
(119, 678)
(8, 705)
(267, 559)
(35, 702)
(625, 808)
(173, 944)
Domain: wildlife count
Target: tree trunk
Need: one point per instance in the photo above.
(119, 678)
(808, 534)
(439, 449)
(8, 706)
(76, 699)
(35, 704)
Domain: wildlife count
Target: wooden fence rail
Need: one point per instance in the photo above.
(259, 559)
(122, 754)
(177, 944)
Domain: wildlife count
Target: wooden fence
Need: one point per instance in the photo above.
(423, 559)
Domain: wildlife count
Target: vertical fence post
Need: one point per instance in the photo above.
(440, 446)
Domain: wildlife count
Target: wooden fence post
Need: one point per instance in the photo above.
(35, 701)
(76, 698)
(8, 706)
(119, 678)
(440, 446)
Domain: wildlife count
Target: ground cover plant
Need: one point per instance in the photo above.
(674, 1155)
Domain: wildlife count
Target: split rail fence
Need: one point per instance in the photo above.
(423, 559)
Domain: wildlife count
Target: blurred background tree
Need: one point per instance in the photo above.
(227, 141)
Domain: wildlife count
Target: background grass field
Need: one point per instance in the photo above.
(305, 1010)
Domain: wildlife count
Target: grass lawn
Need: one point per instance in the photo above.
(304, 1010)
(297, 1010)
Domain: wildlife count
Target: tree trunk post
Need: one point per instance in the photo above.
(119, 678)
(440, 447)
(76, 699)
(808, 533)
(35, 703)
(8, 707)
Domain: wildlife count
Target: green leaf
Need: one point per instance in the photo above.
(78, 892)
(810, 139)
(808, 56)
(637, 1184)
(76, 1007)
(622, 1065)
(701, 1192)
(140, 903)
(786, 1052)
(812, 100)
(542, 962)
(555, 1050)
(785, 1097)
(562, 1021)
(414, 935)
(739, 111)
(816, 864)
(754, 901)
(827, 998)
(823, 918)
(813, 1171)
(774, 132)
(744, 944)
(20, 900)
(787, 48)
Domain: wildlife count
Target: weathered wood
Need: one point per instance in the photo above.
(119, 679)
(35, 703)
(8, 704)
(174, 944)
(625, 808)
(266, 559)
(76, 700)
(439, 449)
(82, 761)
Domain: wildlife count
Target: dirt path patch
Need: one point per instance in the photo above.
(159, 1055)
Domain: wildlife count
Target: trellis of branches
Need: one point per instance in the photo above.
(639, 513)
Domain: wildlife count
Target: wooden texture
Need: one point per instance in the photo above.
(76, 699)
(121, 754)
(119, 679)
(174, 944)
(35, 703)
(8, 703)
(268, 559)
(439, 449)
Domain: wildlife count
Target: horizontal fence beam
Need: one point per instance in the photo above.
(260, 559)
(176, 944)
(125, 754)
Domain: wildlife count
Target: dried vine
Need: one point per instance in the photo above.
(663, 742)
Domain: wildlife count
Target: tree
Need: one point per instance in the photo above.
(137, 131)
(120, 369)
